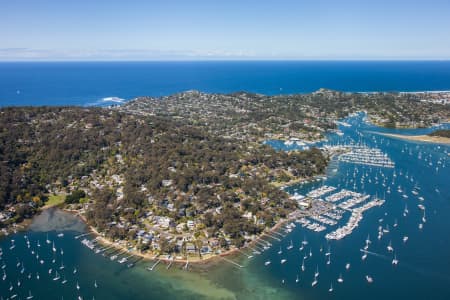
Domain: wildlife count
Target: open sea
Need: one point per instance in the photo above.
(95, 83)
(423, 271)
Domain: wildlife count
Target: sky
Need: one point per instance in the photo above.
(224, 30)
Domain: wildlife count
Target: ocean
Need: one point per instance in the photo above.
(106, 83)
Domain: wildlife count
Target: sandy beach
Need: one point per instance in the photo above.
(419, 138)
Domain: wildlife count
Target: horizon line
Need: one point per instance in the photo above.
(237, 60)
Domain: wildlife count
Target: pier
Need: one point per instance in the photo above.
(154, 265)
(231, 262)
(84, 234)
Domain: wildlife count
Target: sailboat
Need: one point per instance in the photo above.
(389, 247)
(57, 277)
(29, 295)
(95, 284)
(369, 279)
(347, 266)
(64, 280)
(47, 240)
(290, 246)
(331, 288)
(314, 282)
(297, 280)
(368, 241)
(78, 286)
(395, 260)
(340, 279)
(303, 265)
(53, 247)
(279, 252)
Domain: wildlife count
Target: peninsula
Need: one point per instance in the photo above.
(186, 175)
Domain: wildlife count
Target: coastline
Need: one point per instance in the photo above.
(205, 261)
(418, 138)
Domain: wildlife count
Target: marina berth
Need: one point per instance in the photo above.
(367, 156)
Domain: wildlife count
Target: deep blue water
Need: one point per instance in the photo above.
(423, 271)
(87, 83)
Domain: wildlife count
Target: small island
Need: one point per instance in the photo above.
(187, 176)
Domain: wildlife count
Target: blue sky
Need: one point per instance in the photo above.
(245, 29)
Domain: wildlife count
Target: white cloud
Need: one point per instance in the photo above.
(14, 54)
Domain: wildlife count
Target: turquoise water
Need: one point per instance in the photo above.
(422, 272)
(92, 83)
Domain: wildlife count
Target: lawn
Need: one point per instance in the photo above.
(54, 200)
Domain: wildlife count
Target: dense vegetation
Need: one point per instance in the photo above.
(130, 166)
(153, 166)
